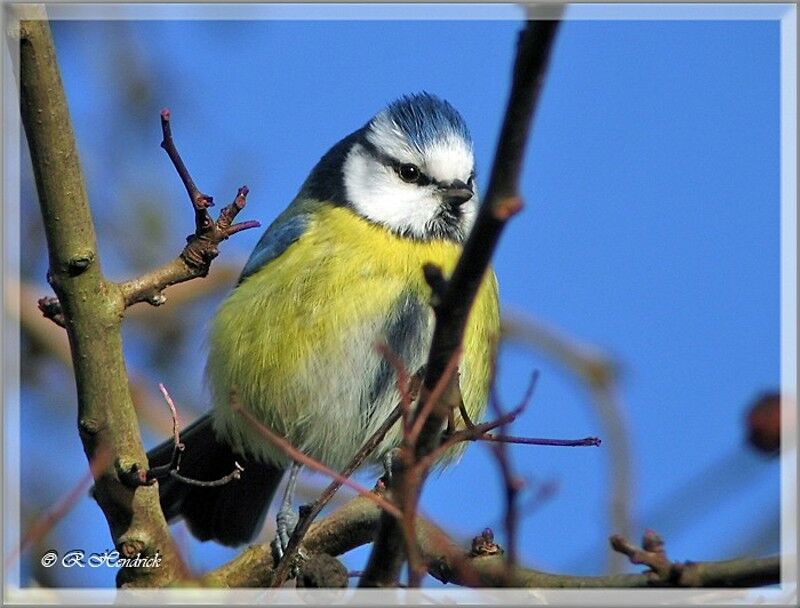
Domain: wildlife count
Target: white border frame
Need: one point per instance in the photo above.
(786, 593)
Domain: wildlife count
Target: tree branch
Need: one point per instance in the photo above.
(483, 566)
(92, 312)
(201, 247)
(172, 468)
(454, 298)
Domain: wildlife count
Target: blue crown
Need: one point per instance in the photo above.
(426, 119)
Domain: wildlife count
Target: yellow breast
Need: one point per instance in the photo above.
(297, 338)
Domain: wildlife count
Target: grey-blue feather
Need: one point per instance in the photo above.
(406, 333)
(274, 242)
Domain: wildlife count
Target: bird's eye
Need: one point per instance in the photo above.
(408, 172)
(471, 180)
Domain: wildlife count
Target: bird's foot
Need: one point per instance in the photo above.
(286, 522)
(389, 459)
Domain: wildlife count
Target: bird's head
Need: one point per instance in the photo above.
(410, 169)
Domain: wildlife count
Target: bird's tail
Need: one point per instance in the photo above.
(231, 514)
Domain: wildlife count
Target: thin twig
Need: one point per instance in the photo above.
(308, 517)
(407, 392)
(200, 201)
(178, 446)
(433, 398)
(201, 247)
(512, 486)
(451, 313)
(298, 456)
(479, 432)
(600, 374)
(234, 475)
(172, 468)
(566, 443)
(410, 477)
(474, 431)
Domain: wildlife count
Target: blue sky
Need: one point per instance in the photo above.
(651, 231)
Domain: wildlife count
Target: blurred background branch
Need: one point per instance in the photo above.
(599, 375)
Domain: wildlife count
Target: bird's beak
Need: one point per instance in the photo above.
(457, 193)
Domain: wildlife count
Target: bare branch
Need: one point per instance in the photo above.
(482, 565)
(234, 475)
(408, 390)
(92, 309)
(200, 201)
(201, 247)
(664, 572)
(433, 398)
(454, 298)
(511, 484)
(600, 374)
(564, 443)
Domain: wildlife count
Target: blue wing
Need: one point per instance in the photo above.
(274, 242)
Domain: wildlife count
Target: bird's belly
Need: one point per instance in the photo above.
(324, 391)
(298, 339)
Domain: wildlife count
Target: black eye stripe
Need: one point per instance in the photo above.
(422, 180)
(385, 159)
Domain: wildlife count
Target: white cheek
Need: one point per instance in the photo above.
(469, 211)
(378, 195)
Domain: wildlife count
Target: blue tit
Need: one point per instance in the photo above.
(336, 274)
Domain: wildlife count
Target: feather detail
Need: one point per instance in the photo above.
(298, 338)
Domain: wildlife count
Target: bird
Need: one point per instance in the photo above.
(336, 274)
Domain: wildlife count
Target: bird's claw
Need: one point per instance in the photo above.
(389, 459)
(278, 547)
(286, 520)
